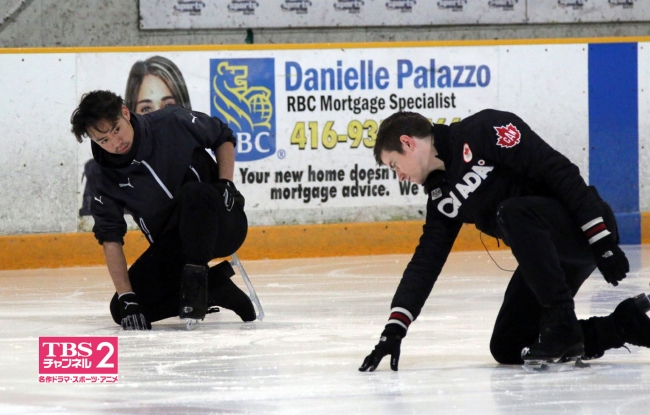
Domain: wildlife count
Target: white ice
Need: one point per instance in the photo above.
(323, 316)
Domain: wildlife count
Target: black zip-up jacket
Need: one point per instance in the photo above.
(168, 150)
(489, 157)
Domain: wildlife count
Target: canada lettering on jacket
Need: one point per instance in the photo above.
(449, 206)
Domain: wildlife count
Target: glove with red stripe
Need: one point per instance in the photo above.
(390, 341)
(610, 259)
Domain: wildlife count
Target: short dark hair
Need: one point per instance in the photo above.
(398, 124)
(95, 106)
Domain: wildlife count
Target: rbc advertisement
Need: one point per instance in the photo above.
(305, 120)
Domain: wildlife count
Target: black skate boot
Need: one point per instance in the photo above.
(629, 323)
(224, 293)
(194, 292)
(560, 338)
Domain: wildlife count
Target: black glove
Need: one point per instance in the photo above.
(389, 343)
(230, 193)
(132, 318)
(610, 260)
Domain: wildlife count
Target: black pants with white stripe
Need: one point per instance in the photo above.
(554, 261)
(202, 228)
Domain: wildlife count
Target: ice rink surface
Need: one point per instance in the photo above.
(323, 316)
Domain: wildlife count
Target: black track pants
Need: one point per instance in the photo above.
(554, 260)
(201, 229)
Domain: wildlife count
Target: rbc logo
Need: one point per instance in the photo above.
(243, 95)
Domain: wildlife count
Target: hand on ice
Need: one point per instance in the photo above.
(389, 344)
(132, 318)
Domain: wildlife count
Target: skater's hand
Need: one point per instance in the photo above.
(611, 260)
(230, 193)
(389, 343)
(132, 318)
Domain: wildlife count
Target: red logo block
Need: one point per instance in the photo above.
(77, 359)
(508, 136)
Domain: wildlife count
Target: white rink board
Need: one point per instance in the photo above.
(42, 164)
(351, 164)
(527, 85)
(38, 161)
(550, 93)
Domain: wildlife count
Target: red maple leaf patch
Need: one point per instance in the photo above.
(509, 136)
(467, 153)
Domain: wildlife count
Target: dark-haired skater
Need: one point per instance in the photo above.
(492, 170)
(155, 166)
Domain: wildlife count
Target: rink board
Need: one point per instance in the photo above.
(304, 157)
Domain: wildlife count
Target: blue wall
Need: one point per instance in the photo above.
(614, 132)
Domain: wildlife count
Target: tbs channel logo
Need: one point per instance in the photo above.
(78, 359)
(242, 93)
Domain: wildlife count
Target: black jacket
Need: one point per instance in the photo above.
(168, 151)
(489, 157)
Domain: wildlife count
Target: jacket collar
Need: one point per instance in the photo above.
(435, 179)
(441, 142)
(438, 178)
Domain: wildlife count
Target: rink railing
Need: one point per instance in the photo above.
(263, 242)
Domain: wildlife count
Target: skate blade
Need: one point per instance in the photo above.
(642, 302)
(190, 323)
(249, 285)
(562, 365)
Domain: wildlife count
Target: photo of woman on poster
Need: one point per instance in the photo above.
(153, 84)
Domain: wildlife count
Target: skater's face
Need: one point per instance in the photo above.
(413, 164)
(114, 136)
(153, 95)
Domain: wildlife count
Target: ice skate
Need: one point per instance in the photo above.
(222, 292)
(629, 323)
(562, 365)
(560, 341)
(190, 323)
(194, 294)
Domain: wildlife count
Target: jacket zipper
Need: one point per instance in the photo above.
(155, 176)
(196, 173)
